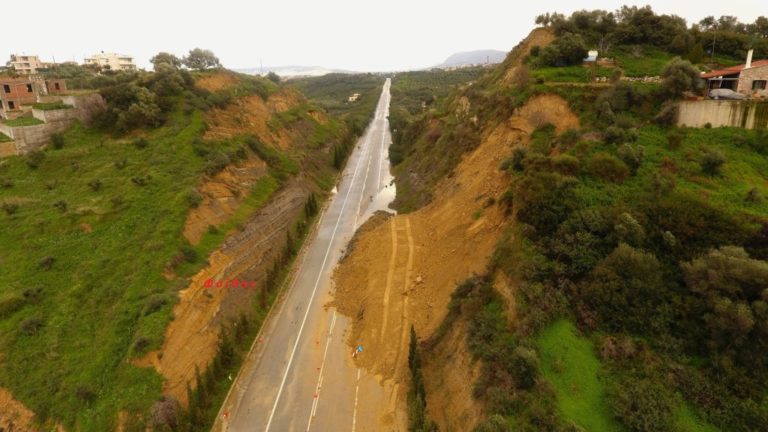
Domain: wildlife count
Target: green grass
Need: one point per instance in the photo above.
(92, 301)
(51, 106)
(4, 138)
(23, 121)
(686, 420)
(569, 363)
(577, 73)
(649, 61)
(744, 168)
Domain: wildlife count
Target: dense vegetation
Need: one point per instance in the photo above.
(638, 248)
(332, 91)
(417, 98)
(615, 33)
(94, 221)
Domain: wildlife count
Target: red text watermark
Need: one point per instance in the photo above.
(229, 283)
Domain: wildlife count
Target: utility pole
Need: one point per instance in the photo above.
(714, 37)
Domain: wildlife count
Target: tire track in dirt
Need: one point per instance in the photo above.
(388, 286)
(404, 313)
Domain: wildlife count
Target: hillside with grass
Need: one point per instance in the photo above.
(100, 235)
(628, 292)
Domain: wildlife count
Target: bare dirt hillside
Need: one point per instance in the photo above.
(403, 271)
(221, 196)
(14, 416)
(191, 339)
(540, 37)
(251, 114)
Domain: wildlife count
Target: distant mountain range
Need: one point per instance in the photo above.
(468, 58)
(293, 71)
(460, 59)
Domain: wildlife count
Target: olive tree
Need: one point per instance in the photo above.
(201, 59)
(680, 76)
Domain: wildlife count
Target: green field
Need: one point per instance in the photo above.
(569, 363)
(90, 229)
(23, 121)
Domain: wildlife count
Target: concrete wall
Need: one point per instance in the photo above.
(55, 115)
(746, 114)
(28, 138)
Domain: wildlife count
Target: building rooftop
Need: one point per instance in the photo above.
(733, 70)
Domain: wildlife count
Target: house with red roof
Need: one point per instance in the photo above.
(748, 79)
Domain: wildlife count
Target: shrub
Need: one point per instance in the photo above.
(680, 76)
(753, 196)
(616, 135)
(524, 367)
(141, 344)
(194, 198)
(61, 205)
(632, 155)
(95, 184)
(567, 49)
(166, 414)
(140, 143)
(566, 164)
(85, 394)
(57, 140)
(712, 162)
(10, 208)
(642, 405)
(189, 253)
(31, 326)
(34, 158)
(626, 290)
(518, 155)
(9, 304)
(154, 303)
(117, 201)
(216, 164)
(675, 138)
(606, 167)
(46, 263)
(141, 180)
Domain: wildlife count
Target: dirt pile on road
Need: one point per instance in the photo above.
(402, 272)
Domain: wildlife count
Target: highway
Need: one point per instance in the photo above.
(300, 375)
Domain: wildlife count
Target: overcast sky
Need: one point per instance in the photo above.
(360, 35)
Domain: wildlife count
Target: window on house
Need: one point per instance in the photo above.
(29, 88)
(758, 84)
(11, 105)
(7, 88)
(57, 86)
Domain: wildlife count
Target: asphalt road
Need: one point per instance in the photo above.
(300, 376)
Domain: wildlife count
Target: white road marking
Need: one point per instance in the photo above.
(354, 412)
(312, 297)
(362, 191)
(316, 396)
